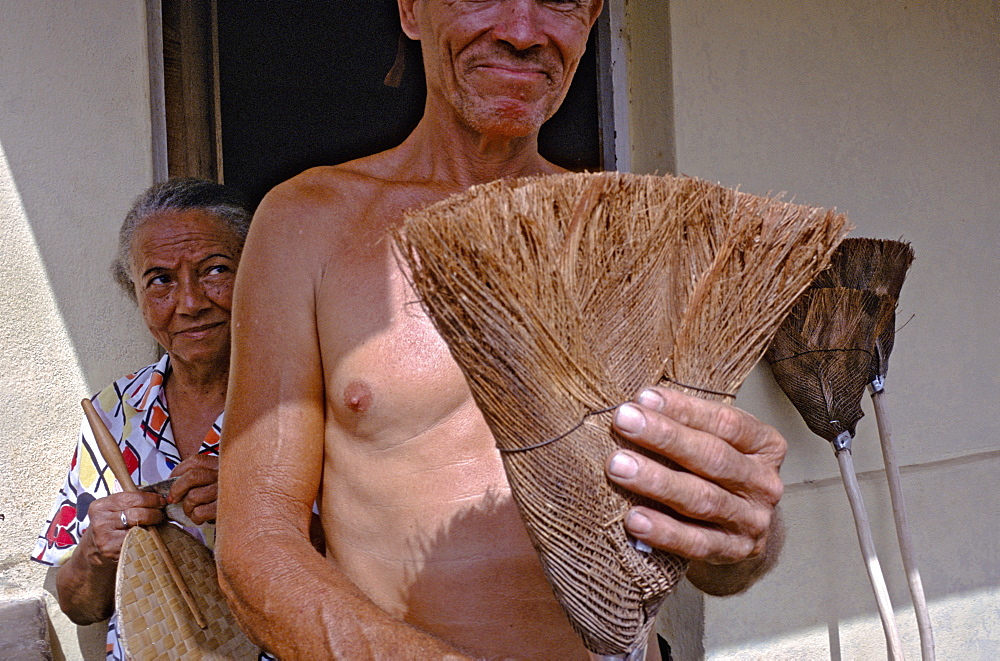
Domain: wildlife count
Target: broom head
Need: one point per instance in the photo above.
(823, 355)
(559, 297)
(875, 265)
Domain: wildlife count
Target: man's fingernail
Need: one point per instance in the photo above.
(623, 465)
(651, 400)
(629, 419)
(638, 523)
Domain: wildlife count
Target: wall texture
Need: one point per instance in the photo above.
(887, 111)
(74, 151)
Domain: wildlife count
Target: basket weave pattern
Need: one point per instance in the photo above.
(154, 621)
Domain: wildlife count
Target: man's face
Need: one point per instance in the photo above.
(503, 65)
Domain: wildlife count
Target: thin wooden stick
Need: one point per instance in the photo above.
(861, 522)
(113, 456)
(903, 526)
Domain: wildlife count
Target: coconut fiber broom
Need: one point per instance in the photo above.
(559, 297)
(879, 266)
(822, 357)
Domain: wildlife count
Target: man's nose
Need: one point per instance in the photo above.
(191, 296)
(518, 24)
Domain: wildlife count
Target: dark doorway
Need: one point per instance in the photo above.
(300, 84)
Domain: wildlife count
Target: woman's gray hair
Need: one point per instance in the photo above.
(179, 194)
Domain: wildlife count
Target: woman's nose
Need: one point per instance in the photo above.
(191, 296)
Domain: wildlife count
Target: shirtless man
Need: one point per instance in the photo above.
(342, 388)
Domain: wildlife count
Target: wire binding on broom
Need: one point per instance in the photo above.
(562, 435)
(611, 408)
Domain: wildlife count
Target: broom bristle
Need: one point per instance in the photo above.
(876, 265)
(559, 297)
(822, 355)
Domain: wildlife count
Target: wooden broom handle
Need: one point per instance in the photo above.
(113, 456)
(867, 541)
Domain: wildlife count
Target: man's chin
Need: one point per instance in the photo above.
(507, 118)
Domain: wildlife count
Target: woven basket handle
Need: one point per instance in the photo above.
(113, 456)
(109, 449)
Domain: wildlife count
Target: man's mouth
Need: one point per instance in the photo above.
(513, 70)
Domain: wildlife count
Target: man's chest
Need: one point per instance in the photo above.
(388, 376)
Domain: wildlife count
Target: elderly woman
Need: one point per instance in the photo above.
(178, 251)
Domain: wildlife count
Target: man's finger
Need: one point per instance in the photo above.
(737, 427)
(685, 493)
(693, 449)
(686, 539)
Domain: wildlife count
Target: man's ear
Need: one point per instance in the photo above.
(595, 9)
(408, 19)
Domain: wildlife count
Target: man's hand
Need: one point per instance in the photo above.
(196, 488)
(719, 478)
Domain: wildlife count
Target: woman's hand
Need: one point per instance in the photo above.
(196, 488)
(86, 583)
(719, 474)
(110, 519)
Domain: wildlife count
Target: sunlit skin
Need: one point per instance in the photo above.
(500, 67)
(341, 387)
(184, 267)
(183, 271)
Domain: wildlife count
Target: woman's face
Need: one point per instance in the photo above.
(183, 268)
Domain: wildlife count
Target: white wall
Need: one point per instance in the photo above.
(888, 111)
(74, 151)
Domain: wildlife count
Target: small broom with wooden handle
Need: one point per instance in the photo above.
(880, 266)
(559, 297)
(822, 359)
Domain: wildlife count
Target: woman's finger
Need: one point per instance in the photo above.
(197, 499)
(140, 516)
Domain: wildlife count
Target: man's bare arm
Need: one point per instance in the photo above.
(286, 595)
(727, 490)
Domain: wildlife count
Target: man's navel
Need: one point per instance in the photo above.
(357, 396)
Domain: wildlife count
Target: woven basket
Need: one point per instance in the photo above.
(153, 620)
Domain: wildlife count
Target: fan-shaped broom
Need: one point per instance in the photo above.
(559, 297)
(822, 357)
(880, 266)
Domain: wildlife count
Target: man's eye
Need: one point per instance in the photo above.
(217, 269)
(161, 279)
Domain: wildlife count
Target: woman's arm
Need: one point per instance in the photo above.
(85, 584)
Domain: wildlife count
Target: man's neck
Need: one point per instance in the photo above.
(446, 151)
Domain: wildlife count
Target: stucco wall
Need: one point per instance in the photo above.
(888, 111)
(74, 151)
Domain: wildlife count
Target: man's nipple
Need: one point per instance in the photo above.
(357, 397)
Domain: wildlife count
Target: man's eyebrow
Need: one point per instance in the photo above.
(153, 269)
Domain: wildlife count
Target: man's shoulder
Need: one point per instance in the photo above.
(321, 189)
